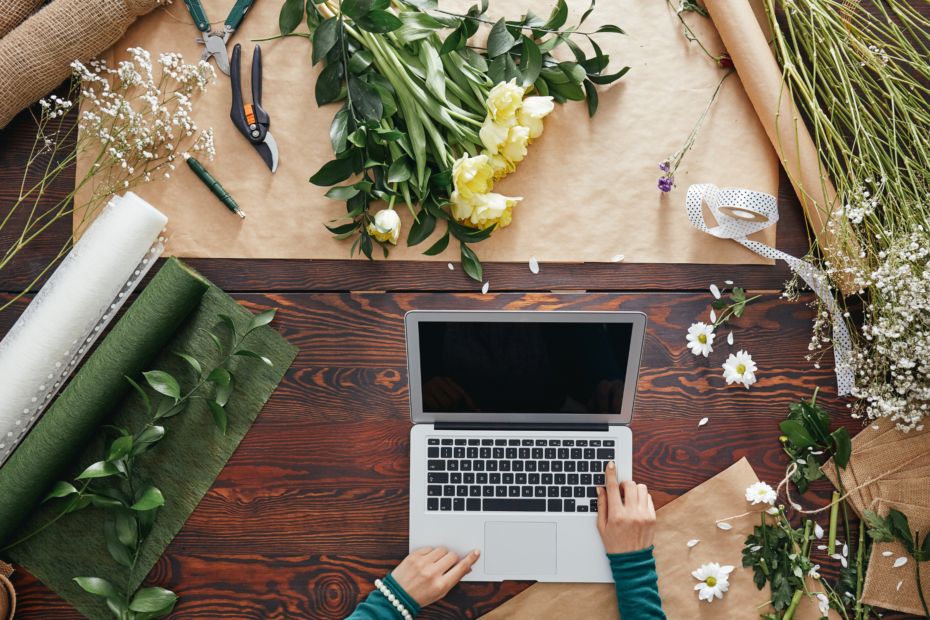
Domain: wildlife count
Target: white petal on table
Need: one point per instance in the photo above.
(818, 531)
(802, 461)
(713, 316)
(728, 281)
(715, 291)
(724, 526)
(534, 265)
(702, 422)
(886, 553)
(899, 585)
(484, 289)
(451, 268)
(845, 551)
(617, 258)
(822, 547)
(796, 506)
(691, 543)
(900, 562)
(837, 556)
(730, 338)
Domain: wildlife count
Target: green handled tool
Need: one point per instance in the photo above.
(215, 41)
(214, 185)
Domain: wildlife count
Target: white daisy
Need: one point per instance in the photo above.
(823, 602)
(740, 368)
(700, 338)
(713, 578)
(761, 493)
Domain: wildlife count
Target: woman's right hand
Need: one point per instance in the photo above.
(428, 574)
(624, 525)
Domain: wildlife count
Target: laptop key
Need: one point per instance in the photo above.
(517, 465)
(595, 443)
(527, 442)
(487, 491)
(475, 442)
(576, 453)
(460, 442)
(498, 453)
(540, 442)
(465, 465)
(514, 505)
(600, 480)
(432, 441)
(569, 466)
(492, 465)
(596, 466)
(607, 454)
(550, 453)
(503, 465)
(513, 491)
(582, 508)
(530, 466)
(581, 442)
(544, 466)
(560, 478)
(459, 453)
(569, 505)
(568, 442)
(526, 491)
(487, 442)
(475, 491)
(485, 453)
(455, 478)
(468, 478)
(608, 443)
(437, 478)
(473, 504)
(511, 453)
(589, 453)
(500, 442)
(555, 442)
(435, 465)
(445, 503)
(432, 453)
(452, 465)
(482, 479)
(586, 480)
(513, 442)
(592, 492)
(534, 479)
(593, 505)
(565, 491)
(447, 453)
(434, 490)
(472, 453)
(547, 478)
(563, 453)
(579, 491)
(495, 478)
(508, 478)
(478, 465)
(554, 505)
(572, 479)
(539, 491)
(500, 491)
(556, 465)
(432, 503)
(520, 479)
(458, 503)
(525, 453)
(582, 466)
(447, 442)
(461, 490)
(553, 492)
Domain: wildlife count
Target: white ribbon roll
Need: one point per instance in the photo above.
(741, 212)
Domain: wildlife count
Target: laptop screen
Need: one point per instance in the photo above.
(538, 367)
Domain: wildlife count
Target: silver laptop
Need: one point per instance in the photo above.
(515, 416)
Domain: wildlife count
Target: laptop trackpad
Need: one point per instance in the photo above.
(514, 548)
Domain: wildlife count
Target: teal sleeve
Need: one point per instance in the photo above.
(637, 585)
(378, 607)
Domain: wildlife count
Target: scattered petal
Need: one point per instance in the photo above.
(691, 543)
(845, 551)
(838, 543)
(837, 556)
(900, 561)
(822, 547)
(484, 289)
(451, 268)
(899, 585)
(886, 553)
(724, 526)
(818, 531)
(713, 316)
(802, 461)
(617, 258)
(715, 291)
(728, 281)
(796, 506)
(755, 548)
(534, 265)
(702, 422)
(876, 427)
(818, 453)
(730, 338)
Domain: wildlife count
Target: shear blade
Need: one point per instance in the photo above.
(216, 47)
(269, 151)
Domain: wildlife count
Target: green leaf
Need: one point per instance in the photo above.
(435, 74)
(456, 40)
(190, 360)
(558, 17)
(292, 13)
(117, 550)
(163, 383)
(100, 587)
(106, 503)
(341, 192)
(843, 446)
(881, 530)
(61, 489)
(99, 470)
(426, 5)
(470, 263)
(223, 392)
(169, 407)
(365, 98)
(245, 353)
(387, 101)
(219, 415)
(145, 398)
(120, 448)
(356, 8)
(127, 529)
(421, 229)
(439, 247)
(586, 13)
(572, 92)
(119, 606)
(219, 376)
(146, 438)
(416, 26)
(573, 71)
(329, 84)
(152, 599)
(148, 615)
(229, 323)
(531, 61)
(902, 529)
(216, 341)
(333, 172)
(925, 547)
(500, 40)
(591, 92)
(360, 61)
(338, 131)
(401, 170)
(738, 294)
(797, 434)
(150, 498)
(608, 79)
(378, 22)
(82, 503)
(324, 38)
(262, 318)
(609, 28)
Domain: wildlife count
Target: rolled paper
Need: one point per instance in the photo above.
(72, 309)
(97, 387)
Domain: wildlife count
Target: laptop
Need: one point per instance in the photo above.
(515, 416)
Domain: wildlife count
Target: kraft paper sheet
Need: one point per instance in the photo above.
(692, 516)
(588, 185)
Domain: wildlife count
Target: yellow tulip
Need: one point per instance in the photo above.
(504, 100)
(483, 210)
(494, 135)
(531, 113)
(386, 226)
(514, 149)
(472, 175)
(499, 165)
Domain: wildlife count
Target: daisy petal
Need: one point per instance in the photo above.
(691, 543)
(724, 526)
(818, 531)
(715, 291)
(845, 551)
(702, 422)
(728, 281)
(617, 258)
(534, 265)
(730, 338)
(822, 547)
(899, 585)
(886, 553)
(451, 268)
(713, 316)
(484, 289)
(900, 562)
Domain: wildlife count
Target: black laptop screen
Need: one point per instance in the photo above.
(524, 367)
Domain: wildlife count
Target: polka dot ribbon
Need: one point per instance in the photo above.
(741, 212)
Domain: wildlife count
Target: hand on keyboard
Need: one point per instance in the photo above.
(625, 525)
(428, 574)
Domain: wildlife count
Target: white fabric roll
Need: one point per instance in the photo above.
(72, 309)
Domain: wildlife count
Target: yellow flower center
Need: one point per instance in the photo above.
(702, 339)
(711, 582)
(740, 369)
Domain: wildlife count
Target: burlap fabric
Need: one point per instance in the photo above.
(896, 588)
(7, 594)
(35, 57)
(12, 14)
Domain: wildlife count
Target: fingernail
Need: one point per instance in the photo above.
(477, 551)
(610, 465)
(598, 490)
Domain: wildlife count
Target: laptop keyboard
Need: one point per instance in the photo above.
(515, 475)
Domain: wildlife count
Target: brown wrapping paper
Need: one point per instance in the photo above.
(692, 516)
(588, 185)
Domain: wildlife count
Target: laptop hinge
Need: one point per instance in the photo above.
(479, 426)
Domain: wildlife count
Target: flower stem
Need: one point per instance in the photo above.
(795, 600)
(60, 515)
(834, 512)
(920, 588)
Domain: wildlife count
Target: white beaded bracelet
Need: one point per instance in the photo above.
(394, 600)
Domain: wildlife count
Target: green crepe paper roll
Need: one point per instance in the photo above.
(87, 401)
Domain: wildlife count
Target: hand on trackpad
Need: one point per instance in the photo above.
(513, 548)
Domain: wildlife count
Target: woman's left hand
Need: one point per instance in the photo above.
(428, 574)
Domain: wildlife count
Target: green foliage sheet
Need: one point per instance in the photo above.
(183, 465)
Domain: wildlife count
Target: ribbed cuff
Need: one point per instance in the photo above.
(622, 560)
(402, 595)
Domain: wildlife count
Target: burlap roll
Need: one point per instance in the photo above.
(7, 594)
(36, 56)
(12, 14)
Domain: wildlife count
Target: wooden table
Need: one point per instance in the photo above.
(313, 505)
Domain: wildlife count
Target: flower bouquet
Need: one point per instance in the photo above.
(432, 120)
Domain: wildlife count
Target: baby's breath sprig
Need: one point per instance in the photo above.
(130, 129)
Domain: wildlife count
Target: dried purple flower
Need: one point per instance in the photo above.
(663, 166)
(665, 184)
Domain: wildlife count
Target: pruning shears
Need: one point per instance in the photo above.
(251, 119)
(215, 41)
